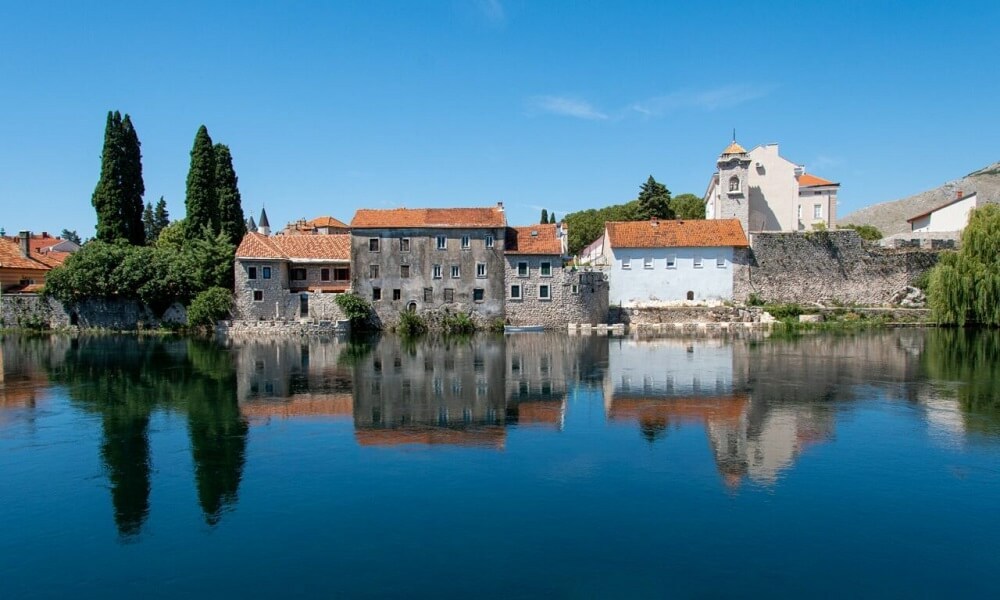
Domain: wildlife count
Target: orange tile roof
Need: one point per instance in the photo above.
(488, 437)
(676, 234)
(734, 148)
(10, 257)
(296, 247)
(429, 217)
(535, 239)
(808, 180)
(328, 222)
(307, 405)
(712, 408)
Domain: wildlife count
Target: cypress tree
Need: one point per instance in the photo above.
(132, 185)
(108, 195)
(545, 216)
(161, 218)
(552, 218)
(201, 201)
(148, 223)
(231, 222)
(654, 200)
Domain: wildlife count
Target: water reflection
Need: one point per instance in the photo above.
(761, 405)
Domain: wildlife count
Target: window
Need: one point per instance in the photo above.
(404, 244)
(411, 307)
(734, 184)
(543, 293)
(258, 296)
(404, 271)
(671, 261)
(522, 269)
(456, 271)
(251, 272)
(376, 293)
(626, 263)
(298, 274)
(428, 294)
(372, 271)
(545, 269)
(442, 242)
(574, 289)
(481, 270)
(341, 273)
(489, 241)
(373, 244)
(397, 294)
(817, 211)
(266, 272)
(478, 294)
(697, 262)
(436, 271)
(515, 292)
(324, 274)
(720, 262)
(465, 242)
(647, 262)
(690, 295)
(800, 212)
(449, 295)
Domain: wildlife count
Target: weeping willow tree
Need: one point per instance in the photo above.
(964, 287)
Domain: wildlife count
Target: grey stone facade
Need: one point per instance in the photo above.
(279, 298)
(573, 296)
(412, 274)
(37, 311)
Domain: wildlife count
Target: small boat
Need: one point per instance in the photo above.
(523, 328)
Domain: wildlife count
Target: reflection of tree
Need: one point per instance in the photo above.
(126, 379)
(971, 357)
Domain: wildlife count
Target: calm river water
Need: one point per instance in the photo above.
(532, 465)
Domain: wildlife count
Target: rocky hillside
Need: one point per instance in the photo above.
(890, 217)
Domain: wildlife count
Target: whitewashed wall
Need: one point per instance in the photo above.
(638, 286)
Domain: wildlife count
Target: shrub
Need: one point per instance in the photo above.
(868, 233)
(411, 323)
(210, 306)
(755, 300)
(784, 311)
(355, 308)
(458, 323)
(495, 326)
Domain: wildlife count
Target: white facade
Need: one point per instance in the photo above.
(645, 277)
(953, 216)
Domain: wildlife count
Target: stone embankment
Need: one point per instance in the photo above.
(33, 311)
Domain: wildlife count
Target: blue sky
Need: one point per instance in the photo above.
(333, 106)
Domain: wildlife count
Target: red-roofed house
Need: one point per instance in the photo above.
(288, 277)
(26, 260)
(767, 192)
(656, 263)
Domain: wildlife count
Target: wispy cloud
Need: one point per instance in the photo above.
(705, 99)
(492, 10)
(567, 107)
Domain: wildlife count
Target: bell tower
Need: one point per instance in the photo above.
(734, 194)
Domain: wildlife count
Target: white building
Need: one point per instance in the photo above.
(767, 192)
(952, 216)
(657, 263)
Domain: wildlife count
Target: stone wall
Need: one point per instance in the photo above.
(32, 310)
(825, 266)
(575, 296)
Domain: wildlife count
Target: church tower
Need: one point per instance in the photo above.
(733, 189)
(263, 226)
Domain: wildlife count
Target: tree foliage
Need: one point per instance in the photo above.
(201, 199)
(585, 226)
(688, 207)
(355, 308)
(70, 235)
(132, 184)
(869, 233)
(654, 200)
(209, 306)
(231, 220)
(118, 195)
(964, 287)
(545, 217)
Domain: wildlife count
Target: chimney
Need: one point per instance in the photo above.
(499, 205)
(25, 236)
(958, 195)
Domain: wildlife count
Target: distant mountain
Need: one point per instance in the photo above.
(890, 217)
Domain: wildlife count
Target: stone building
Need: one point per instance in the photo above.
(540, 291)
(319, 226)
(767, 192)
(430, 261)
(291, 277)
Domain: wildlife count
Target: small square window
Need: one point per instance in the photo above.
(697, 262)
(720, 262)
(545, 269)
(817, 211)
(543, 293)
(466, 243)
(341, 273)
(456, 272)
(449, 295)
(376, 293)
(404, 271)
(258, 296)
(428, 295)
(574, 289)
(251, 272)
(373, 244)
(626, 264)
(442, 242)
(397, 294)
(404, 244)
(298, 274)
(266, 272)
(478, 294)
(436, 271)
(647, 262)
(671, 261)
(522, 269)
(515, 292)
(481, 270)
(324, 274)
(372, 271)
(488, 241)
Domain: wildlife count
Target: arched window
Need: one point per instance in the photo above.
(734, 184)
(690, 295)
(411, 307)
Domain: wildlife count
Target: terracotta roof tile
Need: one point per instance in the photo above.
(534, 239)
(296, 247)
(429, 217)
(10, 257)
(258, 245)
(676, 234)
(328, 222)
(808, 180)
(734, 148)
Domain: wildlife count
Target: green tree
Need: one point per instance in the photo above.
(147, 222)
(964, 287)
(545, 216)
(108, 195)
(231, 221)
(70, 235)
(133, 187)
(688, 206)
(869, 233)
(654, 200)
(552, 218)
(161, 218)
(210, 306)
(201, 200)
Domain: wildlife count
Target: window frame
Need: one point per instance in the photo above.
(648, 262)
(466, 242)
(257, 295)
(397, 294)
(481, 292)
(437, 272)
(480, 270)
(456, 271)
(626, 264)
(442, 242)
(376, 294)
(544, 292)
(404, 271)
(488, 241)
(520, 292)
(698, 262)
(671, 261)
(527, 268)
(720, 262)
(373, 272)
(734, 184)
(374, 244)
(542, 267)
(404, 244)
(817, 211)
(252, 273)
(428, 295)
(303, 271)
(449, 296)
(265, 272)
(324, 274)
